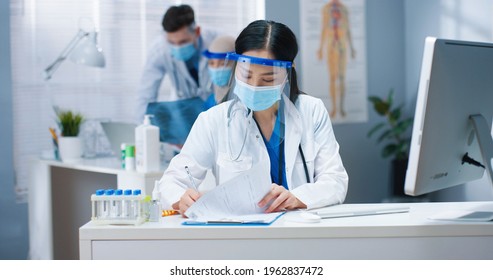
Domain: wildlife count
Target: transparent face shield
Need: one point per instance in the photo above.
(259, 90)
(219, 69)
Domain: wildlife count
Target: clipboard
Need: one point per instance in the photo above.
(243, 220)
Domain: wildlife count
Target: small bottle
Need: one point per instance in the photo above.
(146, 205)
(118, 209)
(127, 204)
(136, 204)
(130, 157)
(107, 200)
(97, 204)
(155, 207)
(123, 147)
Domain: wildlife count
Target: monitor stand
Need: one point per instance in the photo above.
(483, 134)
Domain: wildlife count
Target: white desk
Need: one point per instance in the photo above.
(59, 200)
(393, 236)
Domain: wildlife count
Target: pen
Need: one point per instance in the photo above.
(53, 134)
(191, 178)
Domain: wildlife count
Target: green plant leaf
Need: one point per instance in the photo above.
(374, 99)
(386, 134)
(397, 144)
(395, 114)
(398, 130)
(389, 150)
(402, 126)
(380, 106)
(69, 122)
(375, 129)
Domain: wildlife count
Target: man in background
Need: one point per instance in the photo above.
(177, 53)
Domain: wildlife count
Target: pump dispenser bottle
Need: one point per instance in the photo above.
(147, 146)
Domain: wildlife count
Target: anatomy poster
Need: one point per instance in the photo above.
(333, 54)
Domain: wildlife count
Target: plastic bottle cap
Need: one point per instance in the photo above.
(99, 192)
(118, 192)
(109, 192)
(137, 192)
(130, 151)
(127, 192)
(147, 119)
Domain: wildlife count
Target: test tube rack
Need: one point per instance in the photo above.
(113, 207)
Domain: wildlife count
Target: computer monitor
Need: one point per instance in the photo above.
(454, 109)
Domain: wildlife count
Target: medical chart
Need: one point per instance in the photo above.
(238, 196)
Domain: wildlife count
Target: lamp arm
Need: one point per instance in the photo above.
(63, 55)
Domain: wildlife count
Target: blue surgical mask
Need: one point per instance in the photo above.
(258, 98)
(220, 76)
(183, 52)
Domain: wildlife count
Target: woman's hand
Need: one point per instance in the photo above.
(281, 199)
(186, 200)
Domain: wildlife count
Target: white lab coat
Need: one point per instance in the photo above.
(207, 148)
(160, 63)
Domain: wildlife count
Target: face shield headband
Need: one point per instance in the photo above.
(219, 71)
(259, 82)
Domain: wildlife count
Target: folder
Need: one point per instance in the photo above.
(242, 220)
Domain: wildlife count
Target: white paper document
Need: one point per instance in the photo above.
(239, 196)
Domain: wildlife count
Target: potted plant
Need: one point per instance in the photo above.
(70, 145)
(393, 133)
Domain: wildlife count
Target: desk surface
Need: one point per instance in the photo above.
(415, 223)
(105, 165)
(391, 236)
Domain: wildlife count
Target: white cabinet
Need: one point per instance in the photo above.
(59, 200)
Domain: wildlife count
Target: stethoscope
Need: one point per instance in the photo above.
(249, 117)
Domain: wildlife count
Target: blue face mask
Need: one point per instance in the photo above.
(220, 76)
(183, 52)
(258, 98)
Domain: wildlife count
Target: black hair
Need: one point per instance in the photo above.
(177, 17)
(274, 37)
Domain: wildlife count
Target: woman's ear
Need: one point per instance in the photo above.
(197, 31)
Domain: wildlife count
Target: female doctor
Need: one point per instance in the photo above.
(267, 121)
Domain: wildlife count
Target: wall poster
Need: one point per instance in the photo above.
(333, 56)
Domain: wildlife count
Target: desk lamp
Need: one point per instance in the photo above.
(83, 49)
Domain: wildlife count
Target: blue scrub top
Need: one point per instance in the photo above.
(209, 102)
(274, 149)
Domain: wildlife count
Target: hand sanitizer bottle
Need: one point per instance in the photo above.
(155, 208)
(147, 146)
